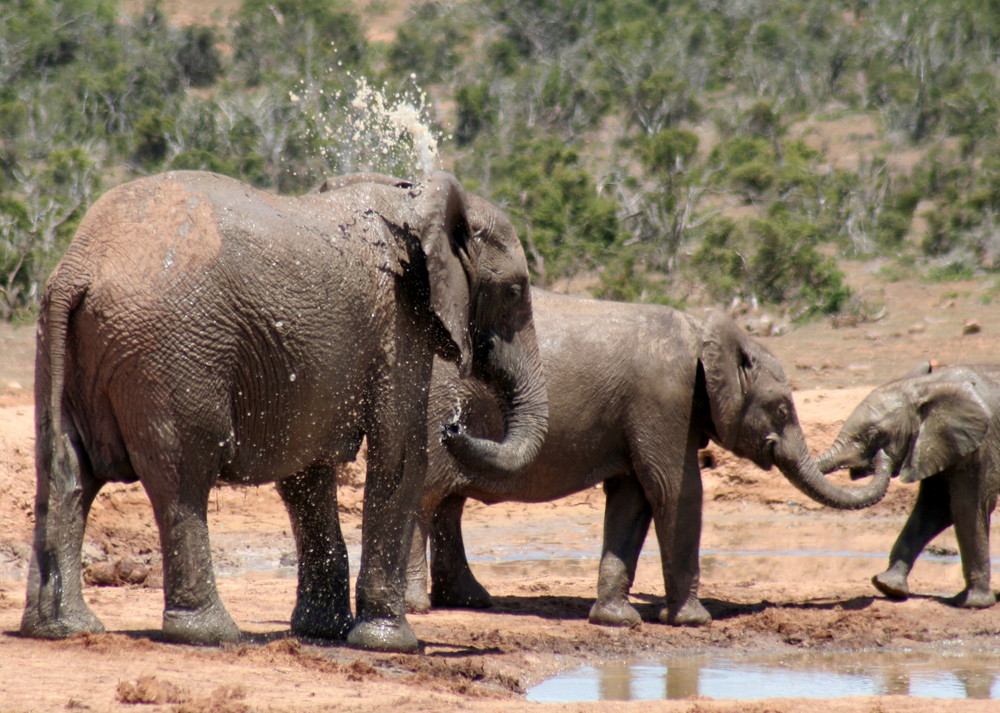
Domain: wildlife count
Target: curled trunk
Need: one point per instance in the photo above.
(805, 474)
(516, 375)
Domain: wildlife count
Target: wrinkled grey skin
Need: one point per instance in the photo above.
(634, 392)
(198, 330)
(940, 428)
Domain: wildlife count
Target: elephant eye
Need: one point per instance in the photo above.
(514, 293)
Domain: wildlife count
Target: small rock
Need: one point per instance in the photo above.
(971, 326)
(917, 328)
(110, 574)
(101, 574)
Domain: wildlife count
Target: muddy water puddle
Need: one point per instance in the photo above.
(757, 676)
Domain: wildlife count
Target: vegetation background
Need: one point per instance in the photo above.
(677, 151)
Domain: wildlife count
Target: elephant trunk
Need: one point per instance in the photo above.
(828, 460)
(514, 372)
(804, 473)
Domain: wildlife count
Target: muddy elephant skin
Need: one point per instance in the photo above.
(200, 331)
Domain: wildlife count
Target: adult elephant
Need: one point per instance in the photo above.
(634, 392)
(199, 330)
(940, 428)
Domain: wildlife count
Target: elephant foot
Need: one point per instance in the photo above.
(892, 585)
(208, 626)
(324, 623)
(392, 635)
(617, 613)
(981, 598)
(72, 621)
(691, 613)
(470, 594)
(417, 601)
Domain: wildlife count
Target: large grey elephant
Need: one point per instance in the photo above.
(940, 428)
(199, 330)
(634, 392)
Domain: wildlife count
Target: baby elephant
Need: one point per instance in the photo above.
(634, 392)
(939, 428)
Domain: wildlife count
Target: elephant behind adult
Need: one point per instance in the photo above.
(941, 429)
(634, 392)
(198, 330)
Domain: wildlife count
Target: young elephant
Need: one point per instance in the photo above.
(940, 429)
(634, 392)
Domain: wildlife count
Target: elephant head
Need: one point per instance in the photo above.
(922, 422)
(479, 292)
(753, 415)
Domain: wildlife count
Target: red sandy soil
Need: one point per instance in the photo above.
(771, 602)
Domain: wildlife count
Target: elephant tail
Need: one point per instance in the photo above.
(62, 295)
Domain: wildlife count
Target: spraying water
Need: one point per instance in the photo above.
(364, 128)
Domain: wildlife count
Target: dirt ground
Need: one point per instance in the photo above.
(539, 561)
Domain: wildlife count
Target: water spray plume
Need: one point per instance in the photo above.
(362, 128)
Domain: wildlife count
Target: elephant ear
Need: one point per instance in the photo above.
(445, 234)
(952, 422)
(728, 361)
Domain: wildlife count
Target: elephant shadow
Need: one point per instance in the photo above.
(255, 639)
(649, 606)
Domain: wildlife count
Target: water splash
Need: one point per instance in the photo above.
(364, 128)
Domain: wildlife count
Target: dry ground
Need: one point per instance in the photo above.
(538, 561)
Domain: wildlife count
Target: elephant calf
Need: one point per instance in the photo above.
(939, 428)
(634, 392)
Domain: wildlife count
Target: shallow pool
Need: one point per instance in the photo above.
(752, 676)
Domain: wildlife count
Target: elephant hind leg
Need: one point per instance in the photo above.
(452, 582)
(55, 608)
(323, 599)
(971, 511)
(178, 491)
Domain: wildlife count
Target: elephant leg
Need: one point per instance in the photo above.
(677, 516)
(971, 510)
(55, 608)
(627, 515)
(397, 464)
(417, 600)
(323, 599)
(193, 612)
(452, 581)
(930, 516)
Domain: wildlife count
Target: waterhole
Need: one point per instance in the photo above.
(750, 677)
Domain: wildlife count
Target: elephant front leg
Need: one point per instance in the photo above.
(627, 515)
(678, 532)
(55, 608)
(452, 582)
(323, 599)
(930, 516)
(397, 464)
(417, 600)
